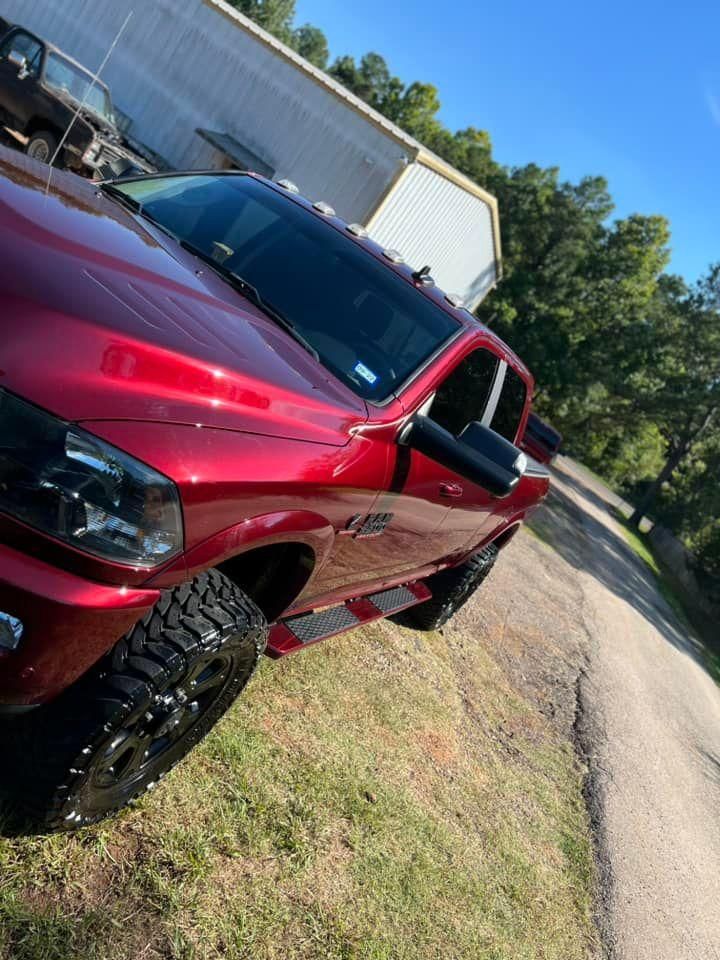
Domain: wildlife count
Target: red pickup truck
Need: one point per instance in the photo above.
(229, 423)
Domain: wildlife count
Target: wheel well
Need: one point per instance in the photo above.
(272, 576)
(36, 124)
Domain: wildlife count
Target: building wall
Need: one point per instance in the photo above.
(181, 65)
(459, 245)
(184, 64)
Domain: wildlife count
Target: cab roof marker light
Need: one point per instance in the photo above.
(324, 208)
(455, 300)
(358, 230)
(288, 185)
(394, 256)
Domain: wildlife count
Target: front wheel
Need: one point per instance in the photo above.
(451, 589)
(43, 146)
(162, 688)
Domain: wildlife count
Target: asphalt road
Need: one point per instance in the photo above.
(649, 723)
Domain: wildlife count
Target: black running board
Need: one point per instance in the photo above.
(297, 632)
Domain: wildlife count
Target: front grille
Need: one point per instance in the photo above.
(108, 153)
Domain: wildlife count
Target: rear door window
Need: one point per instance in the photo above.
(510, 406)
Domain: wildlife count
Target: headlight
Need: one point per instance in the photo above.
(66, 482)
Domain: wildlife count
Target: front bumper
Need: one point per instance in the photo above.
(68, 624)
(102, 153)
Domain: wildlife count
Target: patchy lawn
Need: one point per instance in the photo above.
(387, 794)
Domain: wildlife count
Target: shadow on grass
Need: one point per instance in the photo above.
(12, 825)
(607, 556)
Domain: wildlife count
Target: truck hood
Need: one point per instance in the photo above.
(103, 319)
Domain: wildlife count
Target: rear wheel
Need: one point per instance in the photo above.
(116, 733)
(42, 146)
(451, 589)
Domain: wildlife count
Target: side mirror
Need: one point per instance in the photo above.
(478, 454)
(19, 62)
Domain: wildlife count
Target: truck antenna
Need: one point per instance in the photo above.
(82, 103)
(422, 276)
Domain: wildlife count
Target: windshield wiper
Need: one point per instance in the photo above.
(134, 206)
(243, 287)
(250, 293)
(115, 193)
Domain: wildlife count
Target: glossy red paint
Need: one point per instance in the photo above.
(67, 623)
(113, 326)
(117, 328)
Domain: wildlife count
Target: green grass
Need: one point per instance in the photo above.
(642, 547)
(361, 801)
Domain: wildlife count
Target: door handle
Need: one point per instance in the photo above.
(448, 489)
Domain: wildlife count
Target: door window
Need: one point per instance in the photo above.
(464, 395)
(483, 388)
(510, 406)
(27, 47)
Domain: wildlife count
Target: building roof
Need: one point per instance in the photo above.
(416, 149)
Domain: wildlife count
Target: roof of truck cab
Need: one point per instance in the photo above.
(439, 297)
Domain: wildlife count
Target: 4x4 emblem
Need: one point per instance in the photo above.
(373, 525)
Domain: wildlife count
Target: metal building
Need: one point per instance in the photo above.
(206, 88)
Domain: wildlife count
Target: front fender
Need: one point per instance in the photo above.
(286, 526)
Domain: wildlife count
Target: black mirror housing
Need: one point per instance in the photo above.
(478, 454)
(494, 447)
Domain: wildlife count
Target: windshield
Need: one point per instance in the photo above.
(370, 327)
(68, 77)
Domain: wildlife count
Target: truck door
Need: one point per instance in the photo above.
(475, 513)
(438, 514)
(16, 93)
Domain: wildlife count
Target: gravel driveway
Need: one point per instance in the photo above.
(648, 720)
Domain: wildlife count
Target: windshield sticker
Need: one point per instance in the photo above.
(365, 372)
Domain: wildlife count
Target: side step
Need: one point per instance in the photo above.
(300, 631)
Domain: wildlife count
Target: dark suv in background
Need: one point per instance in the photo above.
(41, 89)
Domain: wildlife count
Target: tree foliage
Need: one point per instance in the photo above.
(626, 357)
(275, 16)
(311, 43)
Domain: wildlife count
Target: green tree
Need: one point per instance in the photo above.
(311, 43)
(469, 150)
(552, 232)
(412, 107)
(275, 16)
(685, 402)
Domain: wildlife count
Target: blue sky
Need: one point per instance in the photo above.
(627, 90)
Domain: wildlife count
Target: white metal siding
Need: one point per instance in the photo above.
(183, 64)
(431, 220)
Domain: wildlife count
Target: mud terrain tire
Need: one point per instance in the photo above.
(451, 589)
(117, 732)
